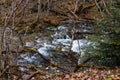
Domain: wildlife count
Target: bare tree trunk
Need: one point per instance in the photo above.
(0, 52)
(39, 10)
(11, 33)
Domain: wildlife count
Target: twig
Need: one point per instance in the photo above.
(72, 58)
(98, 6)
(85, 33)
(106, 8)
(6, 68)
(33, 74)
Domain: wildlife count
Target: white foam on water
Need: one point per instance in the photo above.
(49, 46)
(62, 41)
(78, 45)
(43, 51)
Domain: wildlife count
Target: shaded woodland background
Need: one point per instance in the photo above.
(22, 20)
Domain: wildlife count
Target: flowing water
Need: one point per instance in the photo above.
(52, 43)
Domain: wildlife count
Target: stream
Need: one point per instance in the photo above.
(53, 43)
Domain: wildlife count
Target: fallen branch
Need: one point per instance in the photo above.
(47, 60)
(90, 32)
(52, 63)
(78, 66)
(34, 74)
(83, 20)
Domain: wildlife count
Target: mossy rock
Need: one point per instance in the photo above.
(54, 22)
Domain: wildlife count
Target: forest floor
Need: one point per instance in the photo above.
(88, 74)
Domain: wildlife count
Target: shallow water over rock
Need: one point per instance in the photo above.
(53, 43)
